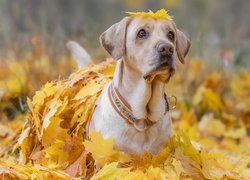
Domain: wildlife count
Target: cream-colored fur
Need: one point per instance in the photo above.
(140, 81)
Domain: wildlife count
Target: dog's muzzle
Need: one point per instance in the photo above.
(164, 63)
(166, 53)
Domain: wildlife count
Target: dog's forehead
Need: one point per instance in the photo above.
(138, 22)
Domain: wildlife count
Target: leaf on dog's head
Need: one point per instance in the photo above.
(160, 14)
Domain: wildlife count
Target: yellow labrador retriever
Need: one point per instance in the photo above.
(133, 108)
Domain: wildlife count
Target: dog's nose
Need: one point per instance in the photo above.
(165, 49)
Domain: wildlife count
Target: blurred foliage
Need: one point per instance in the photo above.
(21, 76)
(213, 26)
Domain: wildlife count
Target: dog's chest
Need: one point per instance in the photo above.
(108, 122)
(152, 140)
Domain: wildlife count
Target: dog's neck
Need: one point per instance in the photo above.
(145, 98)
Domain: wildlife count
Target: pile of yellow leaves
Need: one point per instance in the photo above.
(210, 123)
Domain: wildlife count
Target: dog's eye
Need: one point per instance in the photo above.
(171, 35)
(142, 34)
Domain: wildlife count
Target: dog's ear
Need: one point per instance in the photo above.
(114, 39)
(182, 46)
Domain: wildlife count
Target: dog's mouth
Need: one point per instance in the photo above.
(163, 71)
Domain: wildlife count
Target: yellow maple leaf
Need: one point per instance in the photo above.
(53, 132)
(55, 156)
(90, 89)
(102, 149)
(160, 14)
(78, 167)
(215, 165)
(26, 142)
(82, 113)
(23, 135)
(47, 117)
(35, 119)
(111, 171)
(48, 90)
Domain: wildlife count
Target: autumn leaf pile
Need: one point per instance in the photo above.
(211, 122)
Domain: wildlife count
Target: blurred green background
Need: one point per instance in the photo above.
(217, 29)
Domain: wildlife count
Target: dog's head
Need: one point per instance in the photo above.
(149, 46)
